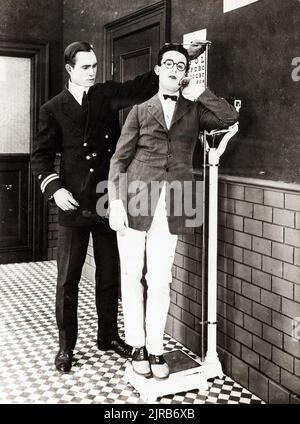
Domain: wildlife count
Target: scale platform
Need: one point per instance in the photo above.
(185, 374)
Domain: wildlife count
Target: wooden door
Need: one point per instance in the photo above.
(23, 88)
(15, 216)
(133, 42)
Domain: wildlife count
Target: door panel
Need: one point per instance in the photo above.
(134, 62)
(15, 225)
(15, 99)
(135, 54)
(133, 42)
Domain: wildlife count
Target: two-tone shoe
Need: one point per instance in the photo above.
(140, 362)
(159, 368)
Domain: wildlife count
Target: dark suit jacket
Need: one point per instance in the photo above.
(147, 151)
(85, 144)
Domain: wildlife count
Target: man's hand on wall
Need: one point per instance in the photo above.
(195, 49)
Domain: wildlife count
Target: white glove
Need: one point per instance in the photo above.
(117, 216)
(65, 200)
(190, 89)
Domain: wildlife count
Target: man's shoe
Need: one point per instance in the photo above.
(159, 367)
(63, 360)
(140, 362)
(117, 344)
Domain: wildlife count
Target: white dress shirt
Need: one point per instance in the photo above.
(77, 91)
(168, 106)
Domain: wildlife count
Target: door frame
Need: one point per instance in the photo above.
(156, 14)
(38, 53)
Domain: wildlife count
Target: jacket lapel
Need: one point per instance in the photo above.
(156, 110)
(74, 111)
(181, 108)
(72, 108)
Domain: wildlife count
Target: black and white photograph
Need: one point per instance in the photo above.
(150, 206)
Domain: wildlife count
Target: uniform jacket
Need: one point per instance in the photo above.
(85, 142)
(147, 151)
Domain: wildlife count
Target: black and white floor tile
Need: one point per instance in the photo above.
(28, 343)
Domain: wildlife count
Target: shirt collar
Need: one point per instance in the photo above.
(161, 95)
(77, 91)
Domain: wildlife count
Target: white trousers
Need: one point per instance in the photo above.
(145, 322)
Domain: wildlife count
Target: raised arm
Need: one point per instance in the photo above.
(141, 88)
(215, 112)
(129, 93)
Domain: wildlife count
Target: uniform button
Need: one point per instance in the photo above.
(106, 135)
(86, 213)
(88, 157)
(84, 144)
(109, 150)
(92, 170)
(94, 155)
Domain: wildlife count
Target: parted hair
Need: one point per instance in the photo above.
(74, 48)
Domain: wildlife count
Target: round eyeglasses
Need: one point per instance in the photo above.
(169, 63)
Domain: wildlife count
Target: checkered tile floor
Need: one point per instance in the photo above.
(28, 343)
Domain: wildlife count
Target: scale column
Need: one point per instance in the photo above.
(212, 365)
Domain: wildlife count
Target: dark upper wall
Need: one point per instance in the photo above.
(251, 58)
(36, 20)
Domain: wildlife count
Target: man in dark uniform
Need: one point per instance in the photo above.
(82, 124)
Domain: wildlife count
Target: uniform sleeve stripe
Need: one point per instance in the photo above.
(48, 180)
(45, 181)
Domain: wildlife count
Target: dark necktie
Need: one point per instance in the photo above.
(85, 102)
(168, 96)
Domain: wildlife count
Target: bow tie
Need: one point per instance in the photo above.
(168, 96)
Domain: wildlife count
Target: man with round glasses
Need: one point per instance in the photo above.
(156, 146)
(169, 63)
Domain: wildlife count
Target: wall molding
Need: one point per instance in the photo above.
(268, 184)
(275, 185)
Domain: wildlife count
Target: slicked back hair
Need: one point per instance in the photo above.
(74, 48)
